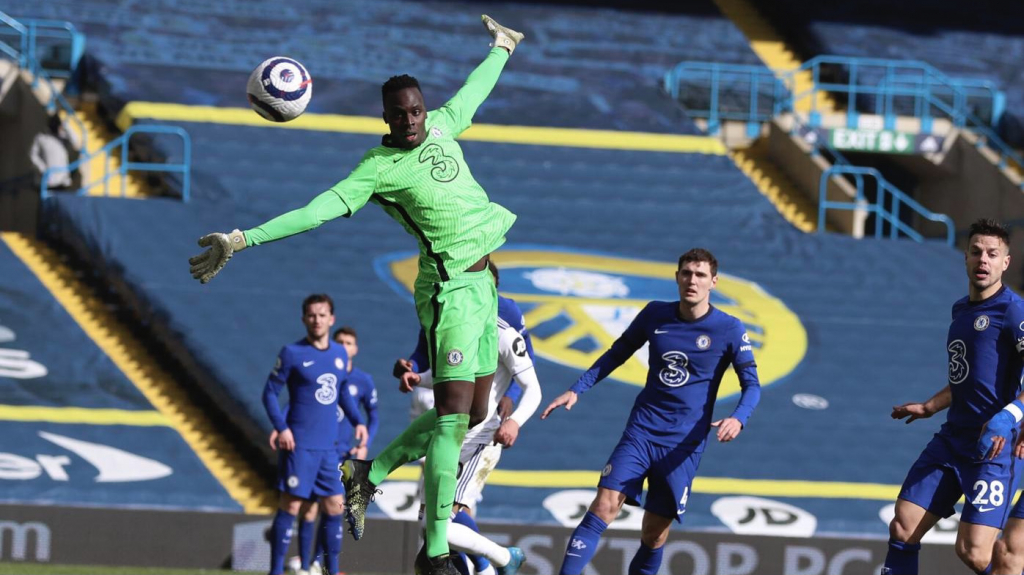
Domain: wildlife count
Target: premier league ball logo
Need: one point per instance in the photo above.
(287, 75)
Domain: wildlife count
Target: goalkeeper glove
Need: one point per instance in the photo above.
(1002, 424)
(506, 38)
(222, 247)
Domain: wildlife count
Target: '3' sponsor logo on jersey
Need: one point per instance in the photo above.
(958, 366)
(445, 168)
(327, 393)
(674, 374)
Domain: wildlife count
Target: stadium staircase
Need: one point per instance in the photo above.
(103, 171)
(775, 52)
(753, 158)
(71, 308)
(99, 136)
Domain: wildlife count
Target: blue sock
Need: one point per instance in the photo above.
(319, 549)
(305, 539)
(280, 537)
(330, 532)
(582, 544)
(463, 518)
(647, 561)
(460, 562)
(901, 558)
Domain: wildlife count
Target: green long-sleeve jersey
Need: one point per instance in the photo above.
(428, 189)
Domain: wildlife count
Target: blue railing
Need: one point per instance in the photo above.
(24, 55)
(184, 167)
(36, 35)
(888, 88)
(981, 97)
(886, 207)
(755, 93)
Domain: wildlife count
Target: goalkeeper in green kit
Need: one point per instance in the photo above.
(419, 177)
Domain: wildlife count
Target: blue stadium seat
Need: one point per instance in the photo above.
(63, 399)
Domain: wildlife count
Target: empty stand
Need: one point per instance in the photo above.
(78, 431)
(602, 64)
(969, 41)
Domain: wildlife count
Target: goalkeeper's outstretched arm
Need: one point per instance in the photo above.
(343, 199)
(461, 108)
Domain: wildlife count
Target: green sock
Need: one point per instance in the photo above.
(439, 479)
(409, 446)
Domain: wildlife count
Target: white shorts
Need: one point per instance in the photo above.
(477, 461)
(422, 401)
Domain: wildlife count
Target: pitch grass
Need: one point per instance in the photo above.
(19, 568)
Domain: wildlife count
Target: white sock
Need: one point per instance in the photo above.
(464, 539)
(488, 571)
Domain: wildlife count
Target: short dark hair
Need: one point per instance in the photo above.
(699, 255)
(346, 330)
(989, 227)
(317, 298)
(396, 83)
(494, 270)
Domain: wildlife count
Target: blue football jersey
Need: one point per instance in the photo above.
(313, 378)
(686, 363)
(985, 342)
(360, 387)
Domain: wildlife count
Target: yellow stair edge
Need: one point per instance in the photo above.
(780, 190)
(94, 170)
(773, 51)
(241, 482)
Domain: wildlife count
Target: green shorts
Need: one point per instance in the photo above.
(460, 318)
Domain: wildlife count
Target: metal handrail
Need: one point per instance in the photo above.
(974, 89)
(716, 73)
(25, 56)
(184, 167)
(22, 35)
(889, 81)
(30, 30)
(888, 215)
(923, 95)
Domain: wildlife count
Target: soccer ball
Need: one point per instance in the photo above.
(279, 89)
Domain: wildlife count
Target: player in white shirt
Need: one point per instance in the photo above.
(481, 449)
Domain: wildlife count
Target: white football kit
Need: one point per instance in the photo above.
(480, 453)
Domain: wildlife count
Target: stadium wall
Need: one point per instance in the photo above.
(21, 118)
(967, 185)
(175, 539)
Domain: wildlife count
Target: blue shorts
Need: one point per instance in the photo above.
(669, 472)
(948, 469)
(309, 473)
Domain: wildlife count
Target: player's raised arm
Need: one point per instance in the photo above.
(343, 199)
(459, 111)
